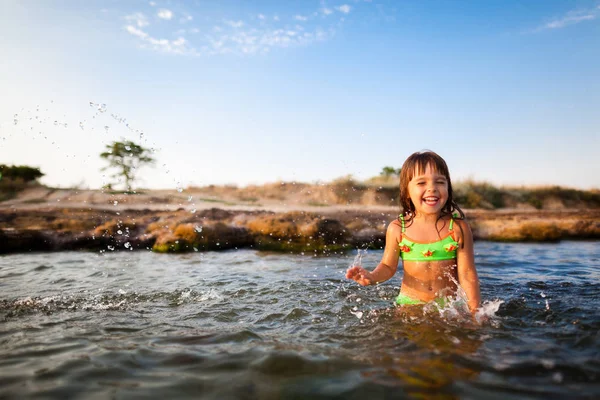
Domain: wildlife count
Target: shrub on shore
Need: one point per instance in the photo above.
(16, 178)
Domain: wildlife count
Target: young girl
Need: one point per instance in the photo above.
(436, 246)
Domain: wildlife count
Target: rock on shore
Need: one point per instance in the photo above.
(55, 229)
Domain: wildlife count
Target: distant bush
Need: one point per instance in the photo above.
(382, 181)
(470, 194)
(19, 173)
(347, 190)
(14, 178)
(568, 197)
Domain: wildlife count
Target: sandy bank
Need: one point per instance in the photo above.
(185, 227)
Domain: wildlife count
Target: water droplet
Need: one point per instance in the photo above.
(120, 232)
(193, 210)
(106, 128)
(81, 125)
(111, 248)
(128, 148)
(557, 377)
(190, 198)
(198, 228)
(180, 189)
(115, 203)
(127, 245)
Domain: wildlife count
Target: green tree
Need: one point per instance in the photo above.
(390, 171)
(126, 157)
(21, 173)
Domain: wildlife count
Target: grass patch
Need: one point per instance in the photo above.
(471, 194)
(316, 204)
(209, 200)
(35, 201)
(122, 192)
(249, 199)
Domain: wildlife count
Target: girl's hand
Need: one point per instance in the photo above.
(360, 275)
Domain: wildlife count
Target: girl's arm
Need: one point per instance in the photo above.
(467, 274)
(389, 262)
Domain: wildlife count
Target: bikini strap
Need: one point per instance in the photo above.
(402, 222)
(455, 215)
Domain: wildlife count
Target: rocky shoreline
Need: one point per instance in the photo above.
(181, 230)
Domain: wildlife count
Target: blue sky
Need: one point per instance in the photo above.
(242, 92)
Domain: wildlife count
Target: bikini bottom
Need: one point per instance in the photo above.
(404, 300)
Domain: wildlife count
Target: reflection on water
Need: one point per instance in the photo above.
(245, 324)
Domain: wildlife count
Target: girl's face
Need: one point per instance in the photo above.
(428, 191)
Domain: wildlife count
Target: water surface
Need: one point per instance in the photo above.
(257, 325)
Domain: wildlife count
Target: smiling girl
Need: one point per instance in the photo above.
(430, 235)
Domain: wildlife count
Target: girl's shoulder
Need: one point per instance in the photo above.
(461, 230)
(395, 229)
(395, 225)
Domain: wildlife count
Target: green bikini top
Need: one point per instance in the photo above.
(444, 249)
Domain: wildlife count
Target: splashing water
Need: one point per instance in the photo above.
(358, 258)
(294, 324)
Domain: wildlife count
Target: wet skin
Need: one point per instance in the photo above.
(428, 280)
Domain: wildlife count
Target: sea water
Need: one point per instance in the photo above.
(258, 325)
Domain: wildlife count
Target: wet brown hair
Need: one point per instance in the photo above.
(416, 163)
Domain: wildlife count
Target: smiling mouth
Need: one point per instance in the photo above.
(431, 200)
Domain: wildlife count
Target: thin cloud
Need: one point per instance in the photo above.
(136, 32)
(177, 46)
(138, 19)
(345, 8)
(235, 24)
(186, 18)
(228, 36)
(165, 14)
(571, 18)
(569, 21)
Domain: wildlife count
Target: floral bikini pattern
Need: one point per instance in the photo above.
(444, 249)
(428, 253)
(404, 248)
(450, 247)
